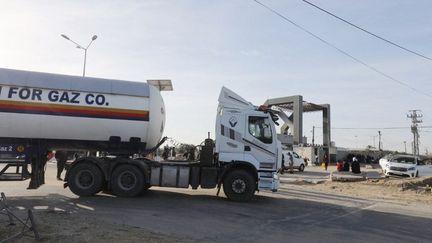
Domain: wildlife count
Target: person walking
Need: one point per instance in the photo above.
(291, 163)
(61, 158)
(326, 161)
(282, 168)
(165, 153)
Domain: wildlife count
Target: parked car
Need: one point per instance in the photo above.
(384, 161)
(299, 162)
(400, 165)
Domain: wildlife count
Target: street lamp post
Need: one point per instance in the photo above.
(82, 48)
(379, 142)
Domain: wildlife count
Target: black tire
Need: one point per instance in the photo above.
(301, 168)
(127, 181)
(145, 189)
(239, 186)
(417, 174)
(85, 179)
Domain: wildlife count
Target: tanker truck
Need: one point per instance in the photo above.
(124, 121)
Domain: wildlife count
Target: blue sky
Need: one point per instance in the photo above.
(202, 45)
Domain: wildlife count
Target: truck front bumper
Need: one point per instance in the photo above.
(269, 181)
(275, 182)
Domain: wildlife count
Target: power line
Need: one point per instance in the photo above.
(373, 128)
(368, 32)
(342, 51)
(368, 128)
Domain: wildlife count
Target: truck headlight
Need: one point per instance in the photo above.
(412, 168)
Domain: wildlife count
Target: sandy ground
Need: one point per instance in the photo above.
(58, 226)
(398, 189)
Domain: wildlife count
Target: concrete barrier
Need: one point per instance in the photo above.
(347, 176)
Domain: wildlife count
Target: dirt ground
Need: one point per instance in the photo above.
(58, 226)
(395, 189)
(402, 190)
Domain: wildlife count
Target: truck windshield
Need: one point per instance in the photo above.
(260, 128)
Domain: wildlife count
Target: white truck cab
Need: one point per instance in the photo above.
(246, 137)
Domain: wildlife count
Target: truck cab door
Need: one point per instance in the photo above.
(229, 128)
(260, 142)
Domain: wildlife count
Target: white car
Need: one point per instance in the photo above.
(299, 162)
(384, 161)
(400, 165)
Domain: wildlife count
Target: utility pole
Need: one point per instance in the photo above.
(405, 145)
(415, 115)
(412, 147)
(313, 136)
(379, 141)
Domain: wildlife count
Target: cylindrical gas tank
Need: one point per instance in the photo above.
(80, 113)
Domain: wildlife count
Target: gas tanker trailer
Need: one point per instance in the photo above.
(124, 121)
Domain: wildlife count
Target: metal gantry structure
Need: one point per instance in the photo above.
(292, 109)
(415, 116)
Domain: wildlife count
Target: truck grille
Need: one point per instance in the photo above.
(398, 169)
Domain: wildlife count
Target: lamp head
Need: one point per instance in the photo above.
(94, 37)
(65, 36)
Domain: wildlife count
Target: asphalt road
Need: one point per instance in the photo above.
(294, 214)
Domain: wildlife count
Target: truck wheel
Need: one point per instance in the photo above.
(145, 189)
(239, 186)
(127, 181)
(85, 179)
(301, 168)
